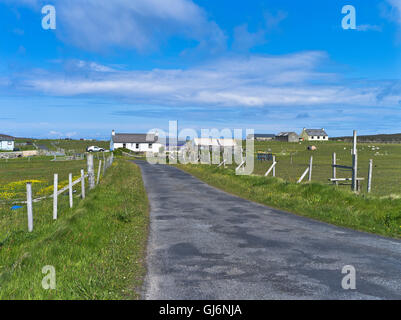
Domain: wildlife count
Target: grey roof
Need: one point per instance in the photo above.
(134, 138)
(284, 134)
(4, 137)
(316, 132)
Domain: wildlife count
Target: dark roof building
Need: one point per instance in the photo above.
(4, 137)
(134, 138)
(261, 137)
(287, 137)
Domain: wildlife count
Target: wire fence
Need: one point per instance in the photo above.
(91, 175)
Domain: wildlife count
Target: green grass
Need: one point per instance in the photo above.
(71, 146)
(37, 168)
(386, 162)
(325, 203)
(97, 248)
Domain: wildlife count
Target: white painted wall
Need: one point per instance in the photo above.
(318, 138)
(140, 147)
(7, 145)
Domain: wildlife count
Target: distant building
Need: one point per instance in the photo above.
(6, 142)
(314, 135)
(136, 142)
(261, 137)
(287, 137)
(209, 143)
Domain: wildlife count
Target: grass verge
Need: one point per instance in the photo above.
(321, 202)
(97, 248)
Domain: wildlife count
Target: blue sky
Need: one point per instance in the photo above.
(133, 65)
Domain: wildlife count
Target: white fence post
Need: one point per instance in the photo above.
(91, 172)
(310, 168)
(303, 175)
(334, 163)
(82, 183)
(274, 167)
(55, 191)
(370, 175)
(70, 189)
(29, 206)
(98, 172)
(355, 164)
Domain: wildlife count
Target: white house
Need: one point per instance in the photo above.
(136, 142)
(314, 135)
(6, 143)
(209, 143)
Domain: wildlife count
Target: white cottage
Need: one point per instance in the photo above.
(6, 143)
(136, 142)
(314, 135)
(209, 143)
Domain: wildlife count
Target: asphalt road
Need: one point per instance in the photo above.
(207, 244)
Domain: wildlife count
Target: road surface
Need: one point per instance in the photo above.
(207, 244)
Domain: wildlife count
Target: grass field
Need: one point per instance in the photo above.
(325, 203)
(14, 173)
(97, 248)
(386, 163)
(69, 146)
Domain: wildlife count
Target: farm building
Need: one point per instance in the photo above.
(6, 143)
(314, 135)
(261, 137)
(287, 137)
(136, 142)
(209, 143)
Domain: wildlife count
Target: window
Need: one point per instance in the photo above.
(318, 137)
(150, 145)
(137, 146)
(124, 145)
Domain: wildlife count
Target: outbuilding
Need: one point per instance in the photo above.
(287, 137)
(6, 142)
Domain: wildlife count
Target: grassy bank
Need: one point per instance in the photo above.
(293, 159)
(97, 248)
(14, 174)
(321, 202)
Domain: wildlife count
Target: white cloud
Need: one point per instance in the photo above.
(141, 24)
(289, 80)
(368, 27)
(61, 134)
(244, 40)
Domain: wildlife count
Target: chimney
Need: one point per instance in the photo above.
(113, 133)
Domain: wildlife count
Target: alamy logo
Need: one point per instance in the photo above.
(349, 281)
(212, 147)
(49, 281)
(349, 21)
(49, 20)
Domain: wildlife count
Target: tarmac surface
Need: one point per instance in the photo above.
(207, 244)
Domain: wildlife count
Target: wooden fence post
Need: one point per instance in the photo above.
(98, 172)
(91, 171)
(370, 175)
(70, 189)
(82, 183)
(29, 206)
(310, 168)
(55, 191)
(335, 168)
(274, 168)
